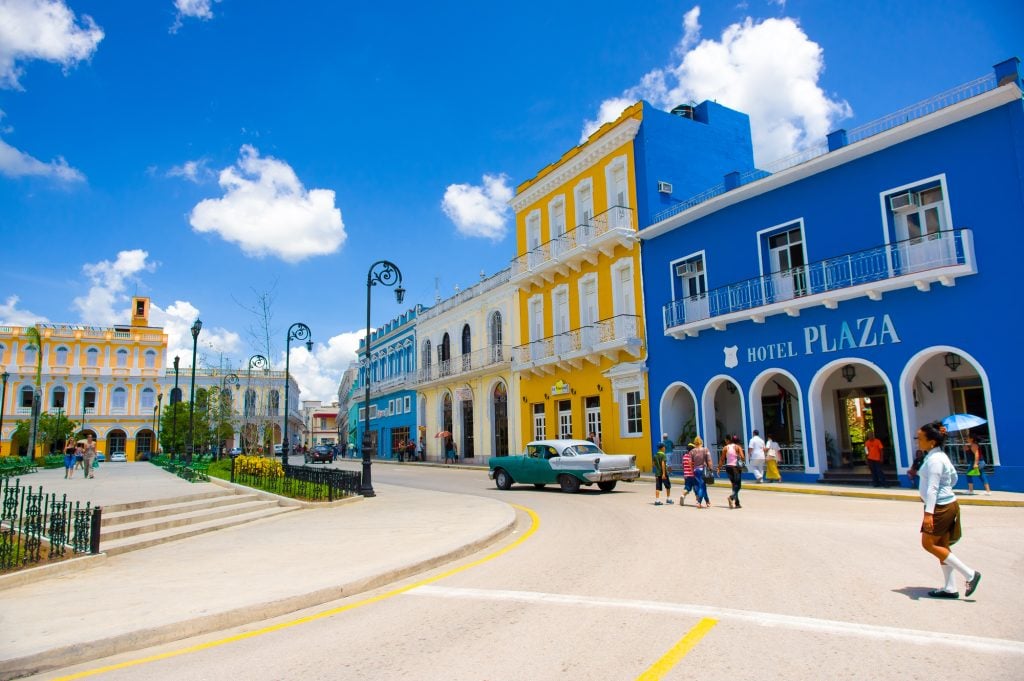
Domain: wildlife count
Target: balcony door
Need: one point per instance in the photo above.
(922, 240)
(625, 303)
(588, 311)
(536, 326)
(563, 343)
(786, 260)
(693, 289)
(618, 201)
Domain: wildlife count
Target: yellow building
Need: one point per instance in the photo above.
(581, 358)
(105, 378)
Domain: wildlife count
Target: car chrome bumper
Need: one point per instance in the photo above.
(490, 474)
(626, 475)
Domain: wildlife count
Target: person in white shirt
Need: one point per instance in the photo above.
(755, 455)
(940, 527)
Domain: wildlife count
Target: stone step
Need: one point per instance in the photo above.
(134, 543)
(185, 516)
(146, 503)
(172, 507)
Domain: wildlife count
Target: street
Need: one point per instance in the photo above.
(609, 586)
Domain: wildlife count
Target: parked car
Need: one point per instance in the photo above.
(118, 457)
(324, 453)
(570, 463)
(277, 449)
(100, 456)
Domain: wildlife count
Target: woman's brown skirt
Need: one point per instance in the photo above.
(945, 524)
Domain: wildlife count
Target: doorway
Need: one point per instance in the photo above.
(863, 411)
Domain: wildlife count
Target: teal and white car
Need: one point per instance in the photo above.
(569, 463)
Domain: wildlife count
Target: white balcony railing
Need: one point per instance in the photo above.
(490, 358)
(613, 224)
(619, 332)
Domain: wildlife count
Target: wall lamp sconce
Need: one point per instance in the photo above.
(600, 388)
(572, 390)
(953, 361)
(731, 387)
(524, 399)
(849, 372)
(929, 386)
(546, 396)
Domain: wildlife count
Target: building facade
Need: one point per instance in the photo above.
(321, 423)
(107, 379)
(854, 289)
(464, 381)
(581, 351)
(392, 378)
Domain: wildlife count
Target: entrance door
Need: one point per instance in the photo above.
(500, 420)
(592, 414)
(786, 256)
(864, 410)
(564, 419)
(467, 429)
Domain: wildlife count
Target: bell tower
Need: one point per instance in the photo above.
(140, 311)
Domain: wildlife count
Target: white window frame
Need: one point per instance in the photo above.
(533, 229)
(53, 395)
(553, 205)
(362, 413)
(151, 394)
(92, 357)
(535, 308)
(624, 402)
(122, 357)
(579, 204)
(889, 225)
(150, 359)
(61, 355)
(564, 420)
(539, 420)
(374, 413)
(617, 267)
(30, 348)
(696, 255)
(764, 234)
(408, 403)
(114, 407)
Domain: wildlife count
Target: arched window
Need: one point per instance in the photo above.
(274, 403)
(3, 351)
(30, 354)
(150, 359)
(118, 400)
(467, 348)
(444, 356)
(147, 400)
(427, 359)
(250, 402)
(92, 357)
(122, 358)
(58, 397)
(89, 399)
(26, 397)
(62, 356)
(446, 413)
(494, 337)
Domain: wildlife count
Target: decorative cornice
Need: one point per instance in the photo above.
(589, 155)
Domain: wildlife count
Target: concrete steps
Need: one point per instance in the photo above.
(138, 525)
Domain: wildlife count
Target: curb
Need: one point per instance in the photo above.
(283, 501)
(66, 656)
(61, 567)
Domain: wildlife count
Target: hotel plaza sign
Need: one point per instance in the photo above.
(863, 332)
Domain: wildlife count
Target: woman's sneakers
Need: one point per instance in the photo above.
(972, 584)
(731, 503)
(939, 593)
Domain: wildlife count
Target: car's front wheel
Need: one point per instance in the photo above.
(502, 479)
(607, 485)
(569, 483)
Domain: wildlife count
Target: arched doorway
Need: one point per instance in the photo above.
(943, 380)
(849, 398)
(117, 441)
(467, 348)
(499, 418)
(724, 413)
(465, 395)
(679, 414)
(777, 412)
(444, 356)
(145, 443)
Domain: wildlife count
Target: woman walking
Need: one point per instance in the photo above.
(940, 527)
(771, 456)
(702, 467)
(69, 459)
(732, 457)
(978, 469)
(449, 450)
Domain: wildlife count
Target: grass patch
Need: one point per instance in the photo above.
(301, 491)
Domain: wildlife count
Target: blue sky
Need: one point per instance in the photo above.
(203, 152)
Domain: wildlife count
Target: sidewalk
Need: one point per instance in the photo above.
(230, 577)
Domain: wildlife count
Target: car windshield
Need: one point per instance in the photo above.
(577, 450)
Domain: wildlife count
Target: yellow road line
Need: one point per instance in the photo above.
(534, 524)
(674, 656)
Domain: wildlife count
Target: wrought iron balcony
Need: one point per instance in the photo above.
(568, 350)
(483, 359)
(601, 234)
(940, 257)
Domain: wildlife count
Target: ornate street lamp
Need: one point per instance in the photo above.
(229, 379)
(297, 331)
(159, 403)
(255, 362)
(175, 399)
(3, 401)
(386, 274)
(196, 328)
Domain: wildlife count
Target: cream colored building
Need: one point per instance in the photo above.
(464, 380)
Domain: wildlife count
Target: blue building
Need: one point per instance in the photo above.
(392, 369)
(862, 286)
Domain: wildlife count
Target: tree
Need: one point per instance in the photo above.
(20, 437)
(174, 428)
(55, 430)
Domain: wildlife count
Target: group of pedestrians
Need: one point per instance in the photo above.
(80, 455)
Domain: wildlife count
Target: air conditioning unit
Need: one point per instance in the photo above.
(685, 268)
(901, 203)
(664, 187)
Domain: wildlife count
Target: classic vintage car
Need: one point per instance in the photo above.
(570, 463)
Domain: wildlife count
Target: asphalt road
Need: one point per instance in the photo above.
(609, 586)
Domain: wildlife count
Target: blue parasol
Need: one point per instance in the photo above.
(956, 422)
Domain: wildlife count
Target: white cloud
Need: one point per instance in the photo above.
(177, 320)
(105, 303)
(10, 315)
(193, 171)
(767, 69)
(42, 29)
(192, 9)
(267, 211)
(319, 374)
(15, 163)
(480, 211)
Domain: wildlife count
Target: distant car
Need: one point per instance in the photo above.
(100, 456)
(118, 457)
(235, 451)
(570, 463)
(277, 449)
(323, 453)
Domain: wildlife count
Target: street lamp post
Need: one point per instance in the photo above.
(175, 399)
(297, 331)
(60, 414)
(197, 326)
(229, 379)
(159, 403)
(255, 362)
(386, 274)
(3, 401)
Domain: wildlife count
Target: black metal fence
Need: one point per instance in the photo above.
(36, 527)
(301, 482)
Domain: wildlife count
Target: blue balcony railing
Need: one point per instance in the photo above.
(889, 261)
